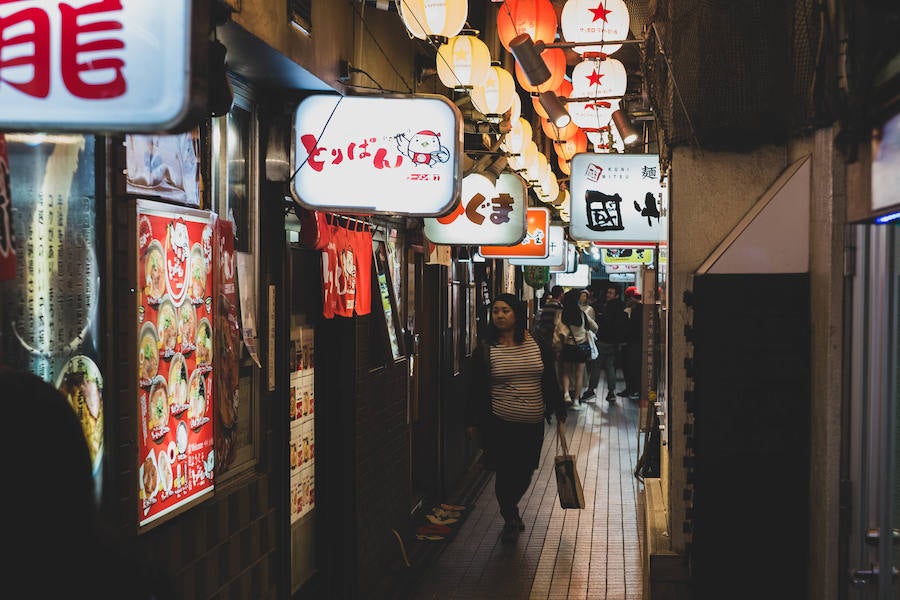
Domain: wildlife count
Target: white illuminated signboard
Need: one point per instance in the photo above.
(617, 198)
(486, 214)
(556, 256)
(579, 278)
(83, 65)
(396, 155)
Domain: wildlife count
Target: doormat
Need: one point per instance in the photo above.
(442, 523)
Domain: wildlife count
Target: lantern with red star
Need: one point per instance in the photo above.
(599, 77)
(595, 21)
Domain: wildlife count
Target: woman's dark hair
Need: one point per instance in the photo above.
(571, 308)
(490, 332)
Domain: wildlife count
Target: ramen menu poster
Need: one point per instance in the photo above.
(175, 356)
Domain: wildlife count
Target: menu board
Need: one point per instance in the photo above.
(302, 415)
(175, 321)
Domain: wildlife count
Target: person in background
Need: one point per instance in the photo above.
(571, 331)
(513, 388)
(631, 349)
(585, 302)
(545, 322)
(57, 546)
(610, 333)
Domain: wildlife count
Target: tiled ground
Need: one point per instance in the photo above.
(592, 554)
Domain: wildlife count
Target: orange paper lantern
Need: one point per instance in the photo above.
(537, 18)
(566, 149)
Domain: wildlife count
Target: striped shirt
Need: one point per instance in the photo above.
(516, 393)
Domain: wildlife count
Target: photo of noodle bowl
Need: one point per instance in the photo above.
(204, 343)
(154, 273)
(148, 354)
(178, 385)
(82, 384)
(167, 327)
(198, 275)
(158, 410)
(149, 475)
(197, 411)
(187, 326)
(164, 466)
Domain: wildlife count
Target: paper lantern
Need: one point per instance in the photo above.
(564, 165)
(555, 59)
(548, 187)
(592, 114)
(595, 21)
(463, 62)
(515, 111)
(520, 161)
(606, 140)
(495, 96)
(566, 149)
(430, 18)
(563, 91)
(537, 168)
(537, 18)
(595, 78)
(558, 134)
(520, 133)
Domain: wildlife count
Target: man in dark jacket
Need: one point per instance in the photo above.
(545, 322)
(610, 333)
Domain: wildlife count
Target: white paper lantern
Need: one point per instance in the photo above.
(427, 18)
(601, 140)
(495, 96)
(463, 62)
(520, 161)
(537, 168)
(594, 114)
(519, 134)
(593, 21)
(595, 78)
(548, 187)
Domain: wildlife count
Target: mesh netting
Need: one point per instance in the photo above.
(733, 76)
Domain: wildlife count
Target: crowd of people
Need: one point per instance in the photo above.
(519, 377)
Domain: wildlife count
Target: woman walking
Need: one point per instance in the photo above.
(571, 331)
(513, 389)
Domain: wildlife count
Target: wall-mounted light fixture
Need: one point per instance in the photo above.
(625, 128)
(556, 112)
(529, 58)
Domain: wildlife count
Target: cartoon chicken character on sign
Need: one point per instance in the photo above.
(423, 148)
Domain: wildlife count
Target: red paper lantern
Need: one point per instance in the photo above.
(537, 18)
(566, 149)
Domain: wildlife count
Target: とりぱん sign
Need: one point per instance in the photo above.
(536, 243)
(377, 154)
(486, 213)
(88, 65)
(617, 198)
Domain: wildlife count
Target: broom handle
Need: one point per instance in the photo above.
(561, 431)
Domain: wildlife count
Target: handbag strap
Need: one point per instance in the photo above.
(561, 437)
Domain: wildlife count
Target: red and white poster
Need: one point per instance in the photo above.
(176, 328)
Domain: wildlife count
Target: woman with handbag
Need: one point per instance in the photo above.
(572, 336)
(513, 388)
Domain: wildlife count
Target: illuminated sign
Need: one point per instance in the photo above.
(84, 65)
(397, 155)
(556, 254)
(579, 278)
(534, 245)
(617, 198)
(486, 213)
(626, 256)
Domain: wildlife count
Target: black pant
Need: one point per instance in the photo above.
(510, 483)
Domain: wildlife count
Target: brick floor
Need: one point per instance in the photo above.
(593, 553)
